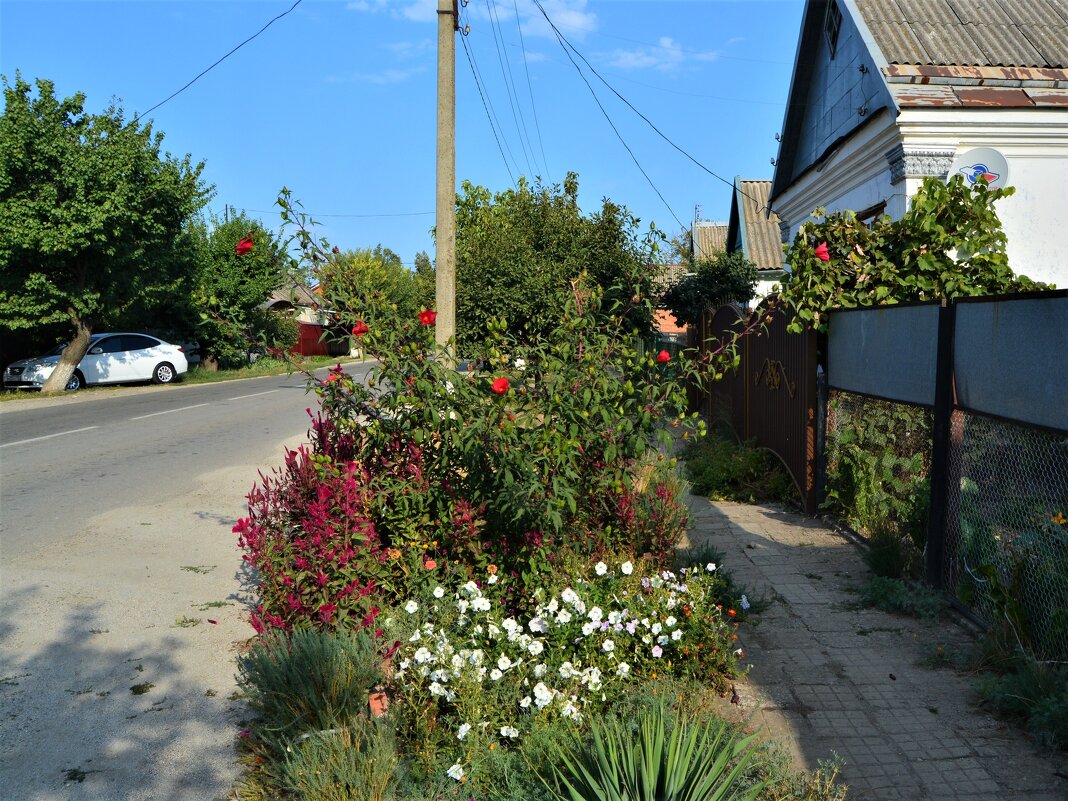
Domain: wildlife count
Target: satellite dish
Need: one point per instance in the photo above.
(981, 164)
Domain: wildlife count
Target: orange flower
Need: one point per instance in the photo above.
(431, 564)
(492, 570)
(731, 613)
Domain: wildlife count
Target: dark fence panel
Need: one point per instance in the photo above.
(888, 352)
(771, 396)
(1011, 352)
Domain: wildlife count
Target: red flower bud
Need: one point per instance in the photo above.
(822, 253)
(501, 385)
(663, 356)
(360, 328)
(245, 245)
(427, 317)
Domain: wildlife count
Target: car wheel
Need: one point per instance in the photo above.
(164, 373)
(76, 381)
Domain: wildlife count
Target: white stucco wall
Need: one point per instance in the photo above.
(1033, 141)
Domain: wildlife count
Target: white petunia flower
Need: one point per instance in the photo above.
(538, 626)
(471, 589)
(422, 655)
(676, 634)
(563, 617)
(520, 364)
(525, 703)
(543, 696)
(571, 711)
(608, 646)
(569, 596)
(657, 628)
(535, 648)
(415, 636)
(509, 731)
(588, 629)
(711, 567)
(567, 670)
(436, 689)
(456, 771)
(463, 730)
(495, 674)
(596, 614)
(493, 579)
(622, 669)
(462, 606)
(439, 592)
(539, 670)
(504, 663)
(552, 606)
(480, 604)
(670, 622)
(600, 568)
(626, 568)
(411, 607)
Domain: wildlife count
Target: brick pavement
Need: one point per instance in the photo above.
(829, 677)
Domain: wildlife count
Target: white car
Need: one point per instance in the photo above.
(111, 359)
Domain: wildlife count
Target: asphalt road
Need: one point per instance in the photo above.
(123, 598)
(62, 463)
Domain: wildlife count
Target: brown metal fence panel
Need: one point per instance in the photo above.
(771, 397)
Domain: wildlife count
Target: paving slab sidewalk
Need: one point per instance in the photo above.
(828, 677)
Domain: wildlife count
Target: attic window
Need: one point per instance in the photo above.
(832, 23)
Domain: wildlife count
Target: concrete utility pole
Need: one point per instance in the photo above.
(445, 266)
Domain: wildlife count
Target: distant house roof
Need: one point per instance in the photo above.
(937, 54)
(750, 229)
(667, 275)
(293, 295)
(709, 238)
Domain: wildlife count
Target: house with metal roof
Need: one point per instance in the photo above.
(887, 92)
(753, 229)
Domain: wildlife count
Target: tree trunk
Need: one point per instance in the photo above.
(72, 354)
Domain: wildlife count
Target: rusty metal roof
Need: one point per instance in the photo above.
(761, 238)
(984, 33)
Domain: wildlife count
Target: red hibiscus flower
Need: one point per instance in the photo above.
(821, 252)
(500, 385)
(663, 356)
(360, 328)
(427, 317)
(244, 246)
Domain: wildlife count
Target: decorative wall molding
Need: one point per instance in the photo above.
(919, 162)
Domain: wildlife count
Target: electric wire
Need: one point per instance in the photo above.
(597, 100)
(509, 84)
(571, 48)
(489, 113)
(220, 61)
(530, 90)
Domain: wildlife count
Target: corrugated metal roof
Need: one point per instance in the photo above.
(763, 238)
(708, 239)
(1019, 33)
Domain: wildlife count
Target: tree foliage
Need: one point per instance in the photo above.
(91, 215)
(352, 276)
(716, 280)
(519, 251)
(229, 289)
(949, 243)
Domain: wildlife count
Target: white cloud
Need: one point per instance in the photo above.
(384, 78)
(665, 56)
(410, 50)
(415, 10)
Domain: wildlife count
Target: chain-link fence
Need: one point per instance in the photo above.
(1006, 538)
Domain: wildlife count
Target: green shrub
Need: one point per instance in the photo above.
(355, 763)
(658, 756)
(1033, 692)
(307, 681)
(722, 469)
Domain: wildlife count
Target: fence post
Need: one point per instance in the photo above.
(941, 433)
(822, 399)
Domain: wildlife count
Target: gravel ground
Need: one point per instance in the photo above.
(117, 668)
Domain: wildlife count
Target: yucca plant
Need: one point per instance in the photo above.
(666, 759)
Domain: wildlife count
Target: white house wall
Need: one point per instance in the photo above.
(1034, 143)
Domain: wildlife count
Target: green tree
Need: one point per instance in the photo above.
(425, 280)
(91, 216)
(352, 276)
(715, 281)
(518, 253)
(230, 284)
(949, 243)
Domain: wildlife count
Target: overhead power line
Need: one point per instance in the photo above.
(221, 60)
(569, 48)
(489, 112)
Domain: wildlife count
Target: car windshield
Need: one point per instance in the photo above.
(58, 349)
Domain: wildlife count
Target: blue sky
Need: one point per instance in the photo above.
(336, 100)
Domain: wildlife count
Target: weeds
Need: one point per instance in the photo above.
(912, 598)
(725, 470)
